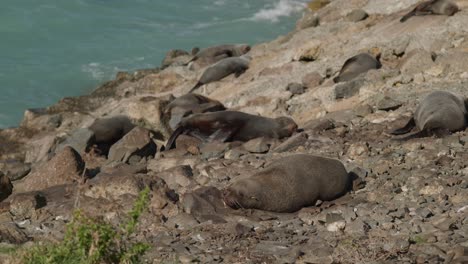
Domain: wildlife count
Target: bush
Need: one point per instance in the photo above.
(90, 240)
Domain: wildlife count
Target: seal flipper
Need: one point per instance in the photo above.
(171, 141)
(222, 135)
(407, 128)
(195, 87)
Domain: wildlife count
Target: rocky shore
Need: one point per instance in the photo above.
(409, 202)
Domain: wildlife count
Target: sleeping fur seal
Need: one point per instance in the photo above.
(188, 104)
(433, 7)
(232, 126)
(216, 53)
(440, 112)
(223, 68)
(357, 65)
(289, 184)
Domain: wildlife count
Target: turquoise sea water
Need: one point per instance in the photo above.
(54, 48)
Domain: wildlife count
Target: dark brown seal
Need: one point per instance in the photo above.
(357, 65)
(188, 104)
(223, 68)
(289, 184)
(232, 126)
(110, 130)
(433, 7)
(439, 113)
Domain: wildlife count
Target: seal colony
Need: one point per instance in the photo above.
(413, 188)
(289, 184)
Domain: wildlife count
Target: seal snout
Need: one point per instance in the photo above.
(230, 200)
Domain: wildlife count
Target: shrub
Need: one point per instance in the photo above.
(91, 240)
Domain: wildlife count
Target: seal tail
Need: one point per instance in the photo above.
(171, 141)
(195, 87)
(418, 134)
(407, 128)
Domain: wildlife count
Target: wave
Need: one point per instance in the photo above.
(282, 8)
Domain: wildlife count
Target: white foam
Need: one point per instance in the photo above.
(95, 70)
(282, 8)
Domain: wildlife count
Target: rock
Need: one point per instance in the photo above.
(40, 149)
(175, 57)
(257, 145)
(335, 222)
(291, 143)
(319, 125)
(24, 205)
(6, 188)
(235, 154)
(214, 150)
(114, 184)
(66, 167)
(80, 140)
(15, 170)
(312, 80)
(348, 89)
(309, 19)
(357, 15)
(136, 143)
(388, 104)
(308, 52)
(295, 88)
(205, 204)
(11, 233)
(416, 61)
(180, 176)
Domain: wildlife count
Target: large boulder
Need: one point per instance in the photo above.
(134, 146)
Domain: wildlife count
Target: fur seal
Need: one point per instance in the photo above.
(290, 183)
(357, 65)
(433, 7)
(439, 112)
(232, 126)
(188, 104)
(220, 52)
(223, 68)
(110, 130)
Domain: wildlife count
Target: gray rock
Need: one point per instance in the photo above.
(348, 89)
(295, 88)
(257, 145)
(137, 142)
(292, 143)
(15, 170)
(388, 104)
(81, 139)
(357, 15)
(309, 19)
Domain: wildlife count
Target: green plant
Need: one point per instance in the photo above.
(90, 240)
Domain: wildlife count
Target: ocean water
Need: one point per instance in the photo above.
(54, 48)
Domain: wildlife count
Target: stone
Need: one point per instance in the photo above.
(295, 88)
(213, 150)
(6, 188)
(312, 79)
(175, 57)
(348, 89)
(309, 19)
(257, 145)
(357, 15)
(80, 140)
(40, 149)
(388, 104)
(180, 176)
(24, 205)
(292, 143)
(66, 167)
(11, 233)
(15, 170)
(138, 142)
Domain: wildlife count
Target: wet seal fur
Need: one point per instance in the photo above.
(225, 126)
(357, 65)
(223, 68)
(289, 184)
(433, 7)
(188, 104)
(439, 113)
